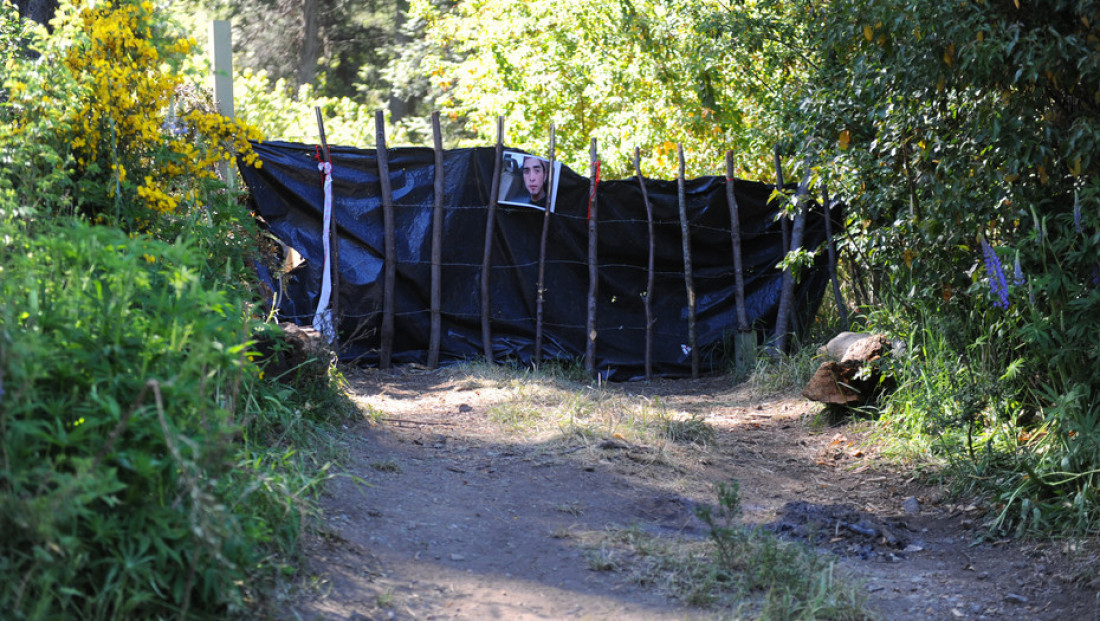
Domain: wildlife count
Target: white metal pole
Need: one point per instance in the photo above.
(221, 57)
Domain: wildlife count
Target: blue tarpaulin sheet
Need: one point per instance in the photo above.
(286, 193)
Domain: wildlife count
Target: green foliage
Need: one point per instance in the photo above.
(946, 126)
(146, 468)
(795, 582)
(646, 73)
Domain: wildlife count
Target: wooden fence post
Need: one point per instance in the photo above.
(744, 347)
(437, 245)
(486, 262)
(648, 296)
(542, 253)
(390, 265)
(593, 272)
(689, 279)
(334, 258)
(830, 244)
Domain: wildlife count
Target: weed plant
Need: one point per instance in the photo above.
(147, 468)
(747, 570)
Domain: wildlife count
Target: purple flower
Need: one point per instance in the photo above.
(1017, 272)
(996, 276)
(1076, 214)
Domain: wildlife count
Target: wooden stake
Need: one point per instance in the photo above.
(593, 273)
(334, 257)
(830, 244)
(542, 254)
(437, 245)
(390, 249)
(786, 295)
(735, 237)
(647, 298)
(744, 348)
(486, 261)
(689, 279)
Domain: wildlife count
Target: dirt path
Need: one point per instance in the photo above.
(470, 511)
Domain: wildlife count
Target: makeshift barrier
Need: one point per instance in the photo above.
(287, 194)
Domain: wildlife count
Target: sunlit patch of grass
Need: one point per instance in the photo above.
(692, 430)
(515, 415)
(781, 374)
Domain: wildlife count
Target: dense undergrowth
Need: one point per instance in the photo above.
(147, 467)
(963, 137)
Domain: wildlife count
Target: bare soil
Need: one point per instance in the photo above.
(443, 512)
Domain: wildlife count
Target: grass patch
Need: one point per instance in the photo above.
(783, 374)
(693, 430)
(748, 571)
(386, 466)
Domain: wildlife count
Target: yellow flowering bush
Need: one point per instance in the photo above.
(141, 154)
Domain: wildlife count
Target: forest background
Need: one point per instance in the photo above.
(960, 136)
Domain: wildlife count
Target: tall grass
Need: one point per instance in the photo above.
(147, 470)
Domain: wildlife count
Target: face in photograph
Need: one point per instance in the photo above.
(534, 178)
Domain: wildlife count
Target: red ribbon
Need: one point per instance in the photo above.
(595, 185)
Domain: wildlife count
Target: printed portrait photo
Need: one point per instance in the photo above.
(526, 181)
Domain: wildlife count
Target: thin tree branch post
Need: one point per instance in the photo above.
(784, 224)
(334, 257)
(593, 272)
(786, 295)
(647, 296)
(437, 246)
(390, 243)
(486, 261)
(541, 294)
(830, 245)
(689, 279)
(744, 347)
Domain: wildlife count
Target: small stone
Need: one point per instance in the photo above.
(457, 557)
(911, 505)
(1019, 599)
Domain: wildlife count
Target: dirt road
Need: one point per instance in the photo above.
(462, 498)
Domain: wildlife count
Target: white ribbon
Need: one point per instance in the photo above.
(322, 320)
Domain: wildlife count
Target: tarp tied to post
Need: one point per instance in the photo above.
(287, 193)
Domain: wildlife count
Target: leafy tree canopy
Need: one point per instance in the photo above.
(645, 73)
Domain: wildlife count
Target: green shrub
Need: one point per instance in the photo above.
(145, 470)
(119, 372)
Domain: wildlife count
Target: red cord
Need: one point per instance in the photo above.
(595, 185)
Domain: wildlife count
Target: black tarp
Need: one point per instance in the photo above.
(287, 193)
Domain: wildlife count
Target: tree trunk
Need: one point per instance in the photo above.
(399, 108)
(786, 295)
(310, 50)
(41, 11)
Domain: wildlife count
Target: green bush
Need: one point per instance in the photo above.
(147, 469)
(124, 377)
(962, 137)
